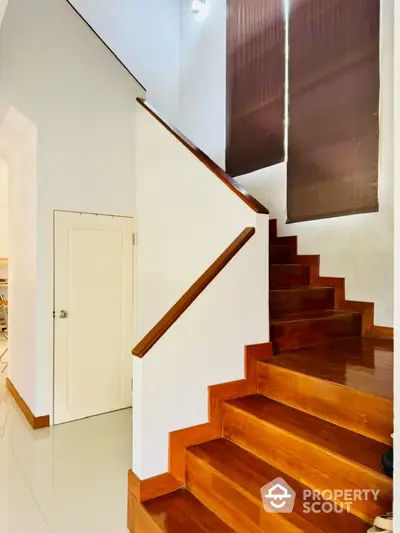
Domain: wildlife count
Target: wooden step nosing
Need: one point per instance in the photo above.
(304, 288)
(244, 492)
(333, 316)
(237, 485)
(338, 456)
(328, 381)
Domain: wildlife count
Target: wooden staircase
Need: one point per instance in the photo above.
(319, 415)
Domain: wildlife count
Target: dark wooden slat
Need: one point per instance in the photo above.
(334, 109)
(190, 295)
(208, 162)
(255, 85)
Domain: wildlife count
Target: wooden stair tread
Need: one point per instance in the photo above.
(359, 363)
(313, 315)
(308, 288)
(181, 512)
(336, 439)
(249, 474)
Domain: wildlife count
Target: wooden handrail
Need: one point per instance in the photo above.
(210, 164)
(190, 295)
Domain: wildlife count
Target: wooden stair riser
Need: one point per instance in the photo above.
(286, 301)
(139, 521)
(352, 409)
(231, 482)
(290, 335)
(181, 507)
(281, 276)
(280, 254)
(310, 464)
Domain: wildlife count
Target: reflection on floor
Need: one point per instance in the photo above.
(70, 478)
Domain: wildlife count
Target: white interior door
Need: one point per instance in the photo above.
(93, 333)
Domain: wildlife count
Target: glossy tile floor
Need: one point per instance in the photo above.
(69, 478)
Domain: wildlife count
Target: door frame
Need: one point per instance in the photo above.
(133, 223)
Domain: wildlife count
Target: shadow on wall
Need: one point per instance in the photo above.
(3, 7)
(18, 148)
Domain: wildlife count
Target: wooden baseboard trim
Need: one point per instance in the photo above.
(180, 440)
(153, 487)
(35, 422)
(380, 332)
(139, 520)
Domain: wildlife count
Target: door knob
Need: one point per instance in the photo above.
(63, 314)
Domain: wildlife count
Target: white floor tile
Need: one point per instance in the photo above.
(19, 512)
(71, 477)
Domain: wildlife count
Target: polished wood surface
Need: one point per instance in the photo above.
(357, 411)
(152, 487)
(380, 332)
(300, 299)
(253, 354)
(192, 293)
(182, 439)
(139, 520)
(307, 428)
(359, 363)
(35, 422)
(279, 254)
(234, 478)
(319, 414)
(232, 184)
(314, 327)
(283, 276)
(290, 258)
(309, 449)
(181, 512)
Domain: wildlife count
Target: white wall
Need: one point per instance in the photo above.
(3, 7)
(360, 247)
(396, 196)
(203, 77)
(145, 35)
(18, 146)
(186, 218)
(3, 209)
(82, 102)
